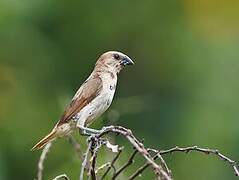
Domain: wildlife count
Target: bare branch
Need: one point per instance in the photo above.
(95, 146)
(187, 150)
(43, 156)
(102, 167)
(139, 171)
(92, 169)
(162, 161)
(128, 163)
(112, 163)
(85, 161)
(160, 173)
(96, 141)
(205, 151)
(62, 176)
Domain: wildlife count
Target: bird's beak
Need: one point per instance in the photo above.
(127, 61)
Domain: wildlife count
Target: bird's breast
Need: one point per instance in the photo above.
(100, 104)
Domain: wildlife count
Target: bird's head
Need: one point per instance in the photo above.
(113, 61)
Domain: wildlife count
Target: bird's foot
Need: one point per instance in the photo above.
(88, 131)
(85, 131)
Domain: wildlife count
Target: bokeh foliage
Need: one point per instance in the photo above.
(183, 89)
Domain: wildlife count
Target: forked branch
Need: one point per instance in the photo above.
(95, 143)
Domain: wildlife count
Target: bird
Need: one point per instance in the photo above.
(91, 100)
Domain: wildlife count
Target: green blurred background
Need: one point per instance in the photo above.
(183, 89)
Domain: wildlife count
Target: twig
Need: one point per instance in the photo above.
(94, 148)
(161, 170)
(64, 176)
(102, 167)
(112, 163)
(85, 161)
(128, 163)
(161, 160)
(139, 170)
(205, 151)
(92, 169)
(187, 150)
(44, 153)
(139, 146)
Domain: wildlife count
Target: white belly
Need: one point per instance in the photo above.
(99, 105)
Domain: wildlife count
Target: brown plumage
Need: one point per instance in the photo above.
(92, 99)
(90, 89)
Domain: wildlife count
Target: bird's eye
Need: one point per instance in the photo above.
(116, 56)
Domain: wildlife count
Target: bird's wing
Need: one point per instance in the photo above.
(87, 92)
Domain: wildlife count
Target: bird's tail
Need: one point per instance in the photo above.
(50, 137)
